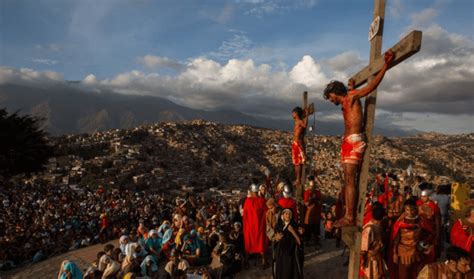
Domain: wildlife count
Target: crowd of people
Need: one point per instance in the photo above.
(197, 236)
(405, 233)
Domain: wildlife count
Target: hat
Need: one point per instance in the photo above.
(253, 188)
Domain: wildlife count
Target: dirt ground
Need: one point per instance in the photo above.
(325, 262)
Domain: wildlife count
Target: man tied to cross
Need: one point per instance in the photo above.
(353, 144)
(297, 146)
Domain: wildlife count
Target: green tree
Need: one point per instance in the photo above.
(23, 144)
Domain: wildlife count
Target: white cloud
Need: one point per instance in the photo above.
(308, 72)
(28, 76)
(152, 61)
(424, 18)
(236, 47)
(44, 61)
(260, 8)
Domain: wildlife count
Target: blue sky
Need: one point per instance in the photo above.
(244, 48)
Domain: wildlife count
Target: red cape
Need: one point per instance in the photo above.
(460, 238)
(431, 204)
(291, 204)
(254, 224)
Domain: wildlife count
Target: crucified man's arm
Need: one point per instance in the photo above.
(360, 93)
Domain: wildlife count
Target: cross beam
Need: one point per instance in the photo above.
(405, 48)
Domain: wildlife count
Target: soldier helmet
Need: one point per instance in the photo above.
(287, 191)
(253, 188)
(426, 193)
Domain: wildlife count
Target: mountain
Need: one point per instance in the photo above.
(68, 108)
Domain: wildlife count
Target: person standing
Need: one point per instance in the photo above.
(288, 261)
(254, 223)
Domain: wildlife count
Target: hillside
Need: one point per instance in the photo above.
(199, 155)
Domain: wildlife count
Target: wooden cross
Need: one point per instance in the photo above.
(403, 49)
(309, 109)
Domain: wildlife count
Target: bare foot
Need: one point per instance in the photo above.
(344, 222)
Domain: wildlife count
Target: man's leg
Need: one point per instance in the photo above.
(350, 175)
(350, 171)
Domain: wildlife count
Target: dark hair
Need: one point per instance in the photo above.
(378, 213)
(311, 177)
(455, 253)
(299, 112)
(108, 248)
(335, 87)
(410, 202)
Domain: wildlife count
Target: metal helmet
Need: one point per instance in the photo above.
(426, 193)
(253, 188)
(286, 191)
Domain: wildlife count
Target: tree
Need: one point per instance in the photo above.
(23, 144)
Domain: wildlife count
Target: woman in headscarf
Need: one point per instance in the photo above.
(69, 270)
(288, 261)
(149, 267)
(195, 250)
(133, 257)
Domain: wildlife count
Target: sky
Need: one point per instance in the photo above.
(254, 56)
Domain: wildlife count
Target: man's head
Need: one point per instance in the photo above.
(378, 213)
(108, 249)
(335, 91)
(425, 195)
(458, 260)
(410, 208)
(297, 113)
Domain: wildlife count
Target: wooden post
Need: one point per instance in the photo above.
(403, 49)
(299, 188)
(375, 51)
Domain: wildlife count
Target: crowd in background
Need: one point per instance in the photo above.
(196, 236)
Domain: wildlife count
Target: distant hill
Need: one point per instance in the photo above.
(67, 108)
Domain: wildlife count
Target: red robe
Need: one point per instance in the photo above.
(254, 224)
(399, 224)
(462, 236)
(291, 204)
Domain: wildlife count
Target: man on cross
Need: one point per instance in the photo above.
(353, 144)
(297, 146)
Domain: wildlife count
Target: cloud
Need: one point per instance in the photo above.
(424, 18)
(439, 79)
(346, 62)
(44, 61)
(29, 76)
(236, 47)
(308, 72)
(152, 62)
(395, 8)
(259, 8)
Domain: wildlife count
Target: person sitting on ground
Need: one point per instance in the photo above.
(176, 262)
(194, 250)
(69, 270)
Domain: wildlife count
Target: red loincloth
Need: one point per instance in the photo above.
(254, 225)
(291, 204)
(297, 153)
(352, 149)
